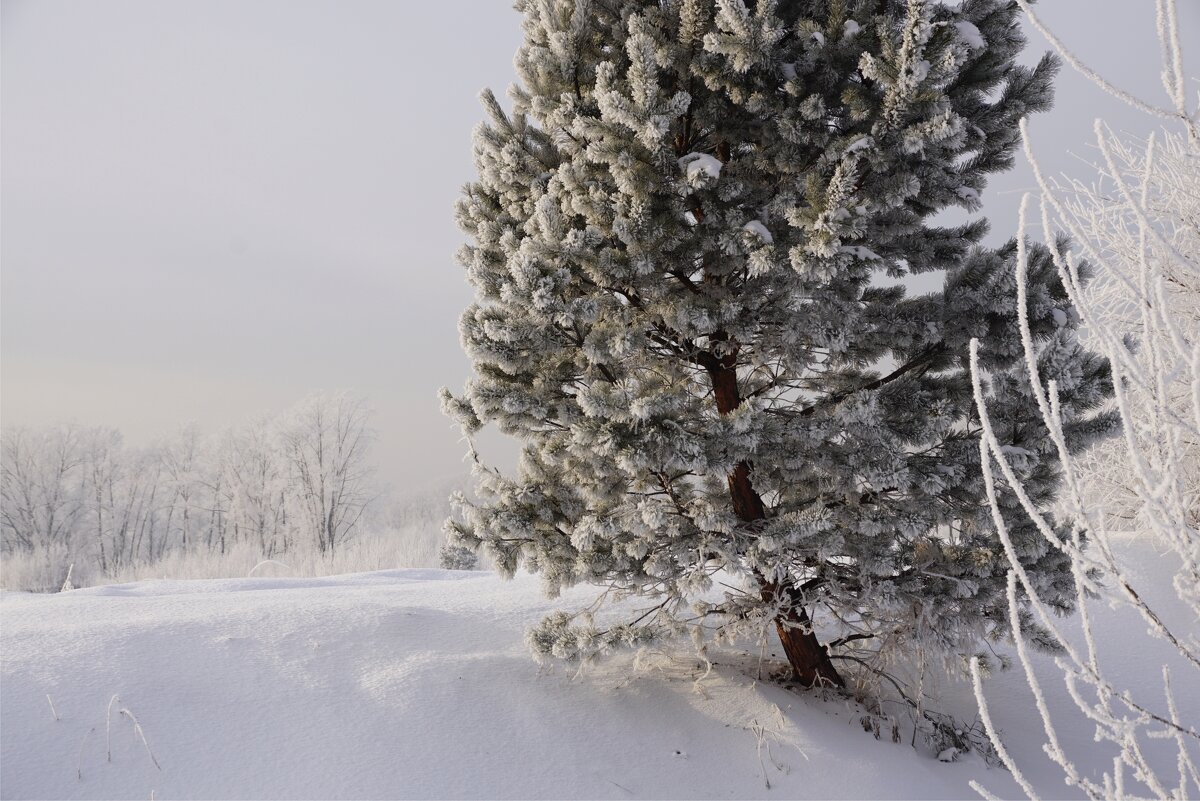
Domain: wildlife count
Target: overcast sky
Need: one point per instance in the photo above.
(211, 208)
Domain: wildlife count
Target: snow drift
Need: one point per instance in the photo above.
(417, 684)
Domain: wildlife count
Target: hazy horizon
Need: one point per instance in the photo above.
(213, 209)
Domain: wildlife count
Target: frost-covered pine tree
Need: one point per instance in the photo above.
(681, 242)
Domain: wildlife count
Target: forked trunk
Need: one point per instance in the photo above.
(809, 660)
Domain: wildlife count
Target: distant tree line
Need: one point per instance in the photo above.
(297, 480)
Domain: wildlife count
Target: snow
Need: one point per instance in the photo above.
(758, 229)
(860, 143)
(850, 28)
(970, 35)
(968, 194)
(417, 684)
(697, 165)
(860, 252)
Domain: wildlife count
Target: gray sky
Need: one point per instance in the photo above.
(212, 208)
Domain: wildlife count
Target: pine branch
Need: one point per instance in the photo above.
(921, 361)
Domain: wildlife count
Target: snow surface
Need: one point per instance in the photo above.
(417, 684)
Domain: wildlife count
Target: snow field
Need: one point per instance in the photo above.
(417, 684)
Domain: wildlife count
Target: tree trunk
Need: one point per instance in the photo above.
(809, 660)
(100, 526)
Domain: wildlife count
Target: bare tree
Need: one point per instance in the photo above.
(80, 495)
(325, 440)
(122, 493)
(183, 460)
(40, 500)
(257, 485)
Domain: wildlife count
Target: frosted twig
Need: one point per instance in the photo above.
(53, 711)
(760, 735)
(108, 728)
(1002, 752)
(266, 562)
(1054, 748)
(1131, 200)
(79, 761)
(1089, 73)
(137, 727)
(1138, 228)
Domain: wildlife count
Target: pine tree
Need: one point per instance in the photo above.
(681, 241)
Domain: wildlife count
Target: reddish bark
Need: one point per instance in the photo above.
(809, 660)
